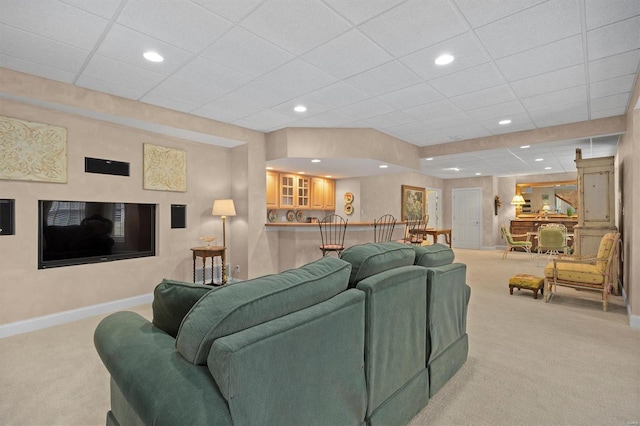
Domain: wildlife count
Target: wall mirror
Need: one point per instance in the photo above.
(559, 198)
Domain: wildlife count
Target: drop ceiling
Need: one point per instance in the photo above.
(352, 63)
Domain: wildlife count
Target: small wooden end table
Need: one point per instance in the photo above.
(435, 232)
(210, 251)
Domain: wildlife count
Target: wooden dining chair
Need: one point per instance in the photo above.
(383, 228)
(333, 228)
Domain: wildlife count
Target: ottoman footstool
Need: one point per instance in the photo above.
(527, 282)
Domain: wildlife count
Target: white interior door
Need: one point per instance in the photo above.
(434, 208)
(467, 217)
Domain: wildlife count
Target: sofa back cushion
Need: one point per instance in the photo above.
(242, 305)
(373, 258)
(172, 300)
(433, 255)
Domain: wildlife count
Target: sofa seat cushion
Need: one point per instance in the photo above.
(373, 258)
(433, 255)
(172, 300)
(232, 308)
(578, 272)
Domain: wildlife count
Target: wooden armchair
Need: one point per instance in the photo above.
(588, 273)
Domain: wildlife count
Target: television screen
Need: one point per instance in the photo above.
(77, 232)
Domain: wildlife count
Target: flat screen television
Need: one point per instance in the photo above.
(79, 232)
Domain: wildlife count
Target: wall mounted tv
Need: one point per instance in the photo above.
(78, 232)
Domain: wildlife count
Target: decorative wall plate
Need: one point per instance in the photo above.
(300, 216)
(272, 216)
(348, 208)
(291, 215)
(348, 197)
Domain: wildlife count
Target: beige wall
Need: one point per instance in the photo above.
(26, 291)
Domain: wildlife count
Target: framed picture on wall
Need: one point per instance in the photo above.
(413, 202)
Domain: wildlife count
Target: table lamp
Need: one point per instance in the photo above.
(518, 201)
(223, 208)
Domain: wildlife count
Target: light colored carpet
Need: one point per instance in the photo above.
(565, 362)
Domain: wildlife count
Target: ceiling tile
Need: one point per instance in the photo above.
(254, 97)
(465, 131)
(540, 60)
(428, 138)
(545, 23)
(560, 97)
(391, 119)
(612, 86)
(549, 82)
(183, 91)
(120, 74)
(40, 70)
(39, 50)
(601, 13)
(219, 111)
(329, 119)
(300, 77)
(182, 24)
(153, 99)
(464, 48)
(614, 66)
(386, 78)
(211, 77)
(126, 45)
(484, 97)
(610, 102)
(366, 108)
(358, 11)
(297, 26)
(411, 96)
(233, 10)
(337, 95)
(408, 129)
(134, 93)
(562, 114)
(268, 119)
(433, 110)
(608, 113)
(449, 121)
(413, 25)
(103, 8)
(44, 18)
(615, 38)
(482, 12)
(347, 55)
(240, 50)
(467, 81)
(498, 111)
(286, 108)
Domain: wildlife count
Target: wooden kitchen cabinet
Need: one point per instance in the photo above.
(273, 193)
(295, 191)
(323, 194)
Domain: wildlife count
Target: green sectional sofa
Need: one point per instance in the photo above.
(350, 341)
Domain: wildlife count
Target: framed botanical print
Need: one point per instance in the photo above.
(413, 202)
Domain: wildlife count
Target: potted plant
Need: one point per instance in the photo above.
(570, 211)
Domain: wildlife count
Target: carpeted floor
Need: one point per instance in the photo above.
(565, 362)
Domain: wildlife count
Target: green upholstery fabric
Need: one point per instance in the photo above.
(160, 385)
(448, 299)
(445, 365)
(171, 302)
(433, 255)
(121, 412)
(396, 330)
(306, 368)
(372, 258)
(233, 308)
(405, 404)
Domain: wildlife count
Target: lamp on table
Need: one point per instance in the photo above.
(518, 201)
(223, 208)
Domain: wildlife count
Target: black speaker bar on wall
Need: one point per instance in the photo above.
(6, 216)
(106, 167)
(178, 216)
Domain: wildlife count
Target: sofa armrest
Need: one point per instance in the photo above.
(303, 368)
(447, 302)
(157, 382)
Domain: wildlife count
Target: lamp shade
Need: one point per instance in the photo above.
(546, 207)
(517, 200)
(223, 208)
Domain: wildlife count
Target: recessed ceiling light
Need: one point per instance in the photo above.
(328, 176)
(153, 56)
(315, 160)
(547, 168)
(504, 122)
(383, 166)
(301, 173)
(525, 146)
(300, 108)
(429, 159)
(478, 174)
(539, 159)
(269, 168)
(453, 169)
(444, 59)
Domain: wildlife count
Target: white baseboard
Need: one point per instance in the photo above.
(634, 320)
(58, 318)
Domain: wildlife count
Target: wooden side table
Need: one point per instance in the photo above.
(210, 251)
(435, 232)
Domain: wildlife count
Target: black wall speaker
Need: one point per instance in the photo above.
(106, 167)
(178, 216)
(6, 216)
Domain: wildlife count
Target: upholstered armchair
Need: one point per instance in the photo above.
(588, 273)
(511, 243)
